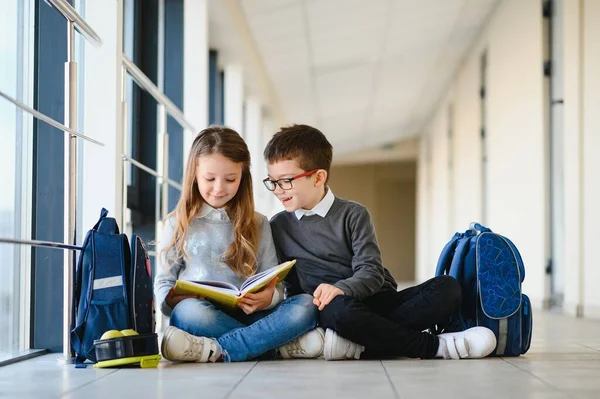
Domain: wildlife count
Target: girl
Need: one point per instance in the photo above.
(215, 234)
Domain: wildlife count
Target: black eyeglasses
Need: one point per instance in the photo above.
(285, 184)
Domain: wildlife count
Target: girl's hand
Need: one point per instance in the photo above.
(251, 303)
(173, 299)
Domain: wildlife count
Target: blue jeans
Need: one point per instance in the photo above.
(242, 336)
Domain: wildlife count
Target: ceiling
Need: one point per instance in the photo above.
(365, 72)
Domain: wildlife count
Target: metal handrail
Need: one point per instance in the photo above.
(151, 171)
(47, 119)
(39, 243)
(80, 24)
(145, 83)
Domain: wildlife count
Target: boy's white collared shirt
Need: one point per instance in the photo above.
(320, 209)
(210, 213)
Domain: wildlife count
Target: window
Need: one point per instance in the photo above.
(16, 50)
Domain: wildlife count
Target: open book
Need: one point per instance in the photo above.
(228, 294)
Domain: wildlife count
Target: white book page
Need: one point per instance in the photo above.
(259, 278)
(219, 286)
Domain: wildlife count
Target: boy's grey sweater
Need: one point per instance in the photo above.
(340, 249)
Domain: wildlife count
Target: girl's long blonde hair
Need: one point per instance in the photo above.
(241, 254)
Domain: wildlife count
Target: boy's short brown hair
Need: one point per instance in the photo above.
(303, 143)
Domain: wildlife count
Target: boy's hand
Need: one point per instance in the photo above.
(173, 299)
(324, 294)
(251, 303)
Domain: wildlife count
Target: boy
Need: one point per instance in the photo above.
(339, 263)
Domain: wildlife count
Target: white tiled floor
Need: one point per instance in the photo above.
(564, 361)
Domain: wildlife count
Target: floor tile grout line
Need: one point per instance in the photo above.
(589, 347)
(396, 394)
(537, 378)
(228, 395)
(70, 391)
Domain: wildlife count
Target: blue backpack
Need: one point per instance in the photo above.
(490, 271)
(112, 288)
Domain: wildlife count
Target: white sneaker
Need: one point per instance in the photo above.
(180, 345)
(340, 348)
(474, 343)
(309, 345)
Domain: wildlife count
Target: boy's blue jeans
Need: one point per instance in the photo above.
(245, 337)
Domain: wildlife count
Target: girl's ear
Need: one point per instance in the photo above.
(321, 177)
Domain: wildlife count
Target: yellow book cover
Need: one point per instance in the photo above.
(228, 294)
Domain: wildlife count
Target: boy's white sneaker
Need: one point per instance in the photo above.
(340, 348)
(308, 345)
(474, 343)
(178, 345)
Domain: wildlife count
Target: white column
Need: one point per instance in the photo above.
(195, 68)
(254, 139)
(423, 188)
(234, 98)
(272, 204)
(100, 179)
(573, 154)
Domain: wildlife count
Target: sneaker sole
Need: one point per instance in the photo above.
(163, 348)
(322, 336)
(328, 347)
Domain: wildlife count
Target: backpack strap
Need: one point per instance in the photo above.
(457, 271)
(443, 265)
(105, 224)
(77, 283)
(80, 362)
(76, 331)
(76, 343)
(103, 215)
(77, 279)
(456, 267)
(479, 228)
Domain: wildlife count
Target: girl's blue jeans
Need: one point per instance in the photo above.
(242, 336)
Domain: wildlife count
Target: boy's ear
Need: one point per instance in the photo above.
(321, 177)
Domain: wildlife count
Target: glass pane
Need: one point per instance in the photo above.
(14, 157)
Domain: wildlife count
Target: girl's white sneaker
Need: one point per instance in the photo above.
(178, 345)
(307, 346)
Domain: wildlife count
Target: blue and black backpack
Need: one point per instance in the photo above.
(490, 271)
(112, 288)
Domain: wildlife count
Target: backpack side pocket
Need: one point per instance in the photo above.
(526, 324)
(106, 315)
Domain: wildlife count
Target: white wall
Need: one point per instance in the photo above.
(516, 200)
(515, 141)
(467, 145)
(581, 146)
(516, 196)
(591, 160)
